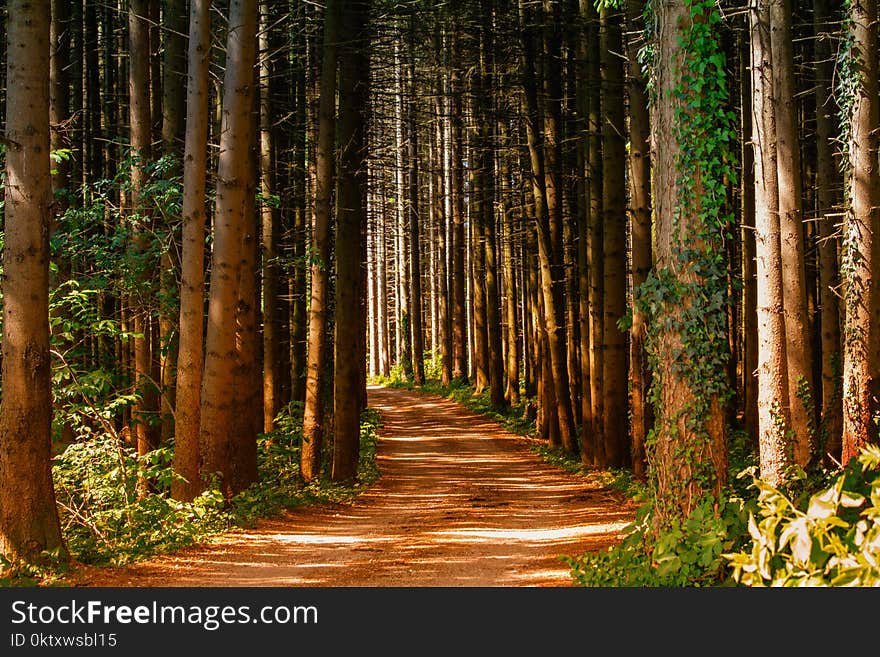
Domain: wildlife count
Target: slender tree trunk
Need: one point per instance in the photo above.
(749, 295)
(511, 292)
(442, 211)
(354, 94)
(799, 354)
(218, 384)
(187, 484)
(828, 240)
(28, 517)
(773, 392)
(459, 312)
(313, 418)
(382, 276)
(271, 221)
(595, 235)
(298, 314)
(641, 413)
(415, 266)
(145, 406)
(614, 344)
(861, 225)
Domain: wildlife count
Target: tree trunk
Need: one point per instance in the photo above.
(642, 417)
(773, 392)
(298, 313)
(799, 354)
(614, 343)
(271, 221)
(827, 181)
(595, 236)
(861, 225)
(313, 417)
(187, 484)
(354, 94)
(28, 517)
(415, 266)
(749, 278)
(688, 459)
(557, 382)
(459, 312)
(145, 406)
(173, 127)
(218, 385)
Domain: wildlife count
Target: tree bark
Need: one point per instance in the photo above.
(271, 225)
(641, 412)
(218, 384)
(614, 342)
(28, 517)
(861, 228)
(689, 456)
(827, 180)
(313, 417)
(799, 354)
(773, 391)
(354, 94)
(187, 484)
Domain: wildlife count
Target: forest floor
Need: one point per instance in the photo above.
(460, 502)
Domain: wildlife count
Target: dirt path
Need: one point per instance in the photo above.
(460, 503)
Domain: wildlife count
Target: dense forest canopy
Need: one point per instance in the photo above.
(647, 226)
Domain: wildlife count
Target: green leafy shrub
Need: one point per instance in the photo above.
(832, 540)
(103, 518)
(682, 554)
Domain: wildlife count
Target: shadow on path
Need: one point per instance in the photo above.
(460, 502)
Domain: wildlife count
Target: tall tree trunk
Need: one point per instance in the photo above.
(173, 127)
(145, 406)
(415, 266)
(828, 240)
(773, 392)
(354, 94)
(691, 368)
(218, 385)
(488, 121)
(28, 517)
(614, 343)
(271, 224)
(187, 484)
(595, 234)
(313, 417)
(861, 241)
(749, 278)
(511, 292)
(641, 414)
(298, 312)
(459, 312)
(799, 353)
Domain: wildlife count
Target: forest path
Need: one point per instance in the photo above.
(460, 502)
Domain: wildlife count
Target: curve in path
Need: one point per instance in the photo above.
(460, 502)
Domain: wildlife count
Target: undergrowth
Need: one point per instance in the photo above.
(106, 522)
(821, 529)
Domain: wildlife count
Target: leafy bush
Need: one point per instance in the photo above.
(834, 541)
(683, 554)
(105, 519)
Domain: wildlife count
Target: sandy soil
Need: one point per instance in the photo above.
(460, 502)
